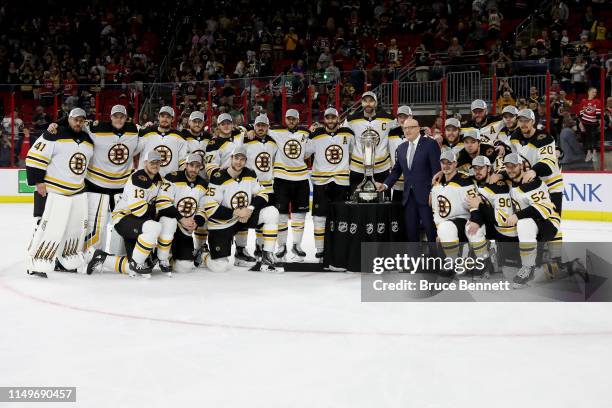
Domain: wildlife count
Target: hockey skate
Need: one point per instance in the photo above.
(281, 254)
(319, 255)
(297, 254)
(523, 276)
(575, 267)
(258, 251)
(269, 263)
(165, 267)
(96, 262)
(242, 257)
(199, 255)
(485, 272)
(139, 270)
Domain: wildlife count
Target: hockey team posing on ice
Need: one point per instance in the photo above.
(195, 194)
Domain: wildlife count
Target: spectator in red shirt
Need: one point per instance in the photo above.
(590, 116)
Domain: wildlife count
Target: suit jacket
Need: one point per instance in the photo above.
(425, 163)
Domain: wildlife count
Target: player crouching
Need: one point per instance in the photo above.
(451, 211)
(236, 201)
(536, 220)
(134, 220)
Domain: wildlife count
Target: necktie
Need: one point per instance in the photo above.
(411, 149)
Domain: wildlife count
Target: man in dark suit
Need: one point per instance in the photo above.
(418, 159)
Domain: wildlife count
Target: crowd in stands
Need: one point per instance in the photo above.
(77, 50)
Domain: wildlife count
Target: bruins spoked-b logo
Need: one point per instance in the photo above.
(262, 161)
(78, 163)
(333, 154)
(187, 206)
(444, 206)
(239, 200)
(165, 153)
(119, 154)
(292, 149)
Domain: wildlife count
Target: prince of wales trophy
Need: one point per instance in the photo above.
(366, 190)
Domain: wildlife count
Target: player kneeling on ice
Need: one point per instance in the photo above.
(56, 165)
(236, 201)
(134, 220)
(182, 198)
(536, 220)
(451, 210)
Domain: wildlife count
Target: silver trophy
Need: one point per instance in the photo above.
(366, 190)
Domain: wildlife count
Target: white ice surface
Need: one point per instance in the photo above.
(245, 339)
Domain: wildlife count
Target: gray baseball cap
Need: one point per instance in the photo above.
(526, 113)
(167, 109)
(196, 115)
(292, 113)
(194, 157)
(370, 93)
(152, 155)
(118, 109)
(262, 119)
(240, 149)
(510, 109)
(513, 158)
(452, 122)
(404, 110)
(448, 155)
(330, 111)
(478, 104)
(76, 113)
(481, 161)
(223, 117)
(471, 132)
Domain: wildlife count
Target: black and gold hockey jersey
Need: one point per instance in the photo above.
(289, 163)
(114, 150)
(539, 154)
(497, 204)
(197, 143)
(139, 197)
(331, 155)
(382, 123)
(464, 160)
(171, 146)
(449, 198)
(225, 194)
(60, 161)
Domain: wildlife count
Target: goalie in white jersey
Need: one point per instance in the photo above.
(165, 140)
(330, 171)
(56, 164)
(382, 123)
(236, 201)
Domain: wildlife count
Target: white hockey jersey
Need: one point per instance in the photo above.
(497, 198)
(289, 163)
(539, 153)
(261, 154)
(331, 155)
(171, 145)
(532, 200)
(489, 133)
(382, 123)
(139, 197)
(114, 149)
(60, 161)
(186, 196)
(449, 198)
(225, 194)
(396, 138)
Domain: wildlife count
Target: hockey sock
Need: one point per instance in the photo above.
(282, 229)
(319, 233)
(297, 228)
